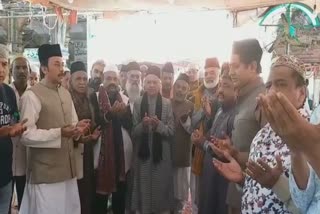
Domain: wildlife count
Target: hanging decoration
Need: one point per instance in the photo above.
(73, 17)
(59, 12)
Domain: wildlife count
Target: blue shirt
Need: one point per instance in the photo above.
(308, 200)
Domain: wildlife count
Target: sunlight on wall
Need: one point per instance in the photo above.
(167, 37)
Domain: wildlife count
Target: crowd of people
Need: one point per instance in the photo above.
(132, 139)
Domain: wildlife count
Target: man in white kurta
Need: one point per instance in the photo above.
(52, 126)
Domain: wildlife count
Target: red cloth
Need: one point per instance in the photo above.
(106, 174)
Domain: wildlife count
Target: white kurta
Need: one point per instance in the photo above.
(56, 198)
(19, 154)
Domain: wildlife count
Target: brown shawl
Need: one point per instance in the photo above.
(111, 168)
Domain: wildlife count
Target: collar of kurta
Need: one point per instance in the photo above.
(250, 87)
(49, 84)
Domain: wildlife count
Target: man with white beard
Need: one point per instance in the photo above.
(205, 107)
(133, 84)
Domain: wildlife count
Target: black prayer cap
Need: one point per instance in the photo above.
(46, 51)
(249, 50)
(153, 70)
(168, 67)
(184, 77)
(133, 66)
(123, 68)
(78, 66)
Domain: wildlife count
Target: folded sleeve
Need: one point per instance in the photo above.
(303, 198)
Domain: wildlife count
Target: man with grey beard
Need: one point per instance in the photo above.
(133, 84)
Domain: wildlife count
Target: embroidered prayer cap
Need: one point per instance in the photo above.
(153, 70)
(184, 77)
(168, 68)
(212, 63)
(111, 67)
(4, 51)
(133, 66)
(46, 51)
(143, 68)
(193, 66)
(290, 62)
(78, 66)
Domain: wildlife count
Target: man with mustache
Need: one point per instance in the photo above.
(114, 116)
(265, 184)
(213, 186)
(20, 69)
(53, 127)
(9, 115)
(167, 77)
(133, 84)
(245, 69)
(96, 75)
(181, 154)
(84, 108)
(153, 129)
(205, 105)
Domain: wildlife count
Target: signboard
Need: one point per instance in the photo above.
(80, 50)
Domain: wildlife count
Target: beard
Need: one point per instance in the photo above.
(134, 91)
(211, 85)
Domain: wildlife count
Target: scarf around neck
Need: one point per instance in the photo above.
(111, 167)
(144, 150)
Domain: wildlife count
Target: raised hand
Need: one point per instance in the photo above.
(154, 122)
(263, 173)
(146, 121)
(83, 126)
(222, 146)
(18, 128)
(231, 170)
(92, 137)
(284, 119)
(69, 131)
(206, 106)
(197, 137)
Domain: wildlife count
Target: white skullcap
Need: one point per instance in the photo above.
(34, 68)
(193, 66)
(143, 67)
(4, 51)
(111, 67)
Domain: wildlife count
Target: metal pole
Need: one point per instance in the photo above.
(41, 15)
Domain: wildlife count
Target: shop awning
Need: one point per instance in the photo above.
(138, 5)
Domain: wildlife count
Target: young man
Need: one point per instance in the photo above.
(96, 75)
(116, 146)
(245, 69)
(265, 187)
(9, 115)
(20, 69)
(84, 108)
(213, 186)
(52, 128)
(181, 148)
(153, 129)
(167, 78)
